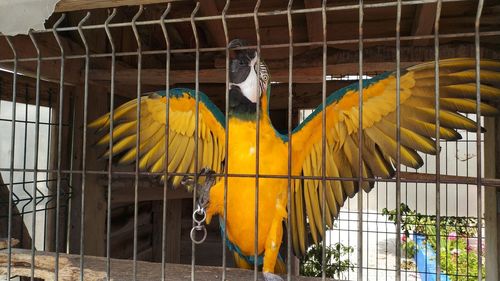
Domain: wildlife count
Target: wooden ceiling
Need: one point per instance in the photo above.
(379, 54)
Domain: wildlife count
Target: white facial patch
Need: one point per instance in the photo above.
(250, 87)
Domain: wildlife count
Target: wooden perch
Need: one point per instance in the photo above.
(95, 268)
(4, 243)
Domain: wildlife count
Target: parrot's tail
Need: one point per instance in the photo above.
(280, 267)
(240, 262)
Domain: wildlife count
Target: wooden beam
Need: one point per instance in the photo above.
(301, 75)
(304, 95)
(150, 191)
(314, 21)
(28, 85)
(214, 27)
(423, 22)
(48, 47)
(375, 54)
(76, 5)
(95, 268)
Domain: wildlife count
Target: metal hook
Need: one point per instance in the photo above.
(257, 27)
(164, 27)
(108, 31)
(11, 45)
(56, 35)
(134, 27)
(35, 44)
(80, 31)
(193, 25)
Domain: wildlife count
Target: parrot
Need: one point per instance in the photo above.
(250, 86)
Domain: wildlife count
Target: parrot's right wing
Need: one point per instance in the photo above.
(181, 137)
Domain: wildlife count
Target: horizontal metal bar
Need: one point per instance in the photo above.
(32, 122)
(251, 15)
(405, 176)
(269, 46)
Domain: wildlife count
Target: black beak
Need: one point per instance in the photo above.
(237, 43)
(240, 64)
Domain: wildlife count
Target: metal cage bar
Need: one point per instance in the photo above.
(360, 143)
(226, 140)
(12, 144)
(196, 124)
(84, 142)
(138, 133)
(402, 177)
(111, 140)
(257, 144)
(59, 143)
(167, 135)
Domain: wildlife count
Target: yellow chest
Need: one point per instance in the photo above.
(242, 154)
(242, 158)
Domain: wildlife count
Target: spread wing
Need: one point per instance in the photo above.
(457, 95)
(181, 137)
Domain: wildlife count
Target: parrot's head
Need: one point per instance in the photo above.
(248, 78)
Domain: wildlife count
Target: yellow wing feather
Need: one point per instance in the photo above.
(181, 128)
(379, 150)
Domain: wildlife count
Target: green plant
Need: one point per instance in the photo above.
(457, 257)
(337, 264)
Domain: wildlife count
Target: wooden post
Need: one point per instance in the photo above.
(95, 202)
(173, 243)
(492, 170)
(18, 230)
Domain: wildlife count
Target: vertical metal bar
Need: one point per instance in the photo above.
(398, 142)
(323, 142)
(478, 142)
(290, 104)
(71, 157)
(167, 137)
(12, 146)
(84, 143)
(226, 140)
(438, 140)
(196, 118)
(111, 140)
(138, 134)
(59, 142)
(47, 174)
(37, 135)
(257, 145)
(360, 145)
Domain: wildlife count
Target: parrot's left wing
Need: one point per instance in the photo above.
(181, 138)
(418, 127)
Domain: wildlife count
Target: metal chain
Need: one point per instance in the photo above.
(199, 217)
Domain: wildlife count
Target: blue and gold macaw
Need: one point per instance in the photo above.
(247, 86)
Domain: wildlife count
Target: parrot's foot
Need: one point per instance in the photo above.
(268, 276)
(203, 189)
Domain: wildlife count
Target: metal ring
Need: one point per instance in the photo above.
(198, 228)
(202, 213)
